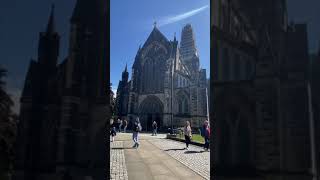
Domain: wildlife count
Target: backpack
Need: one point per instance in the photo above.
(208, 131)
(138, 127)
(154, 125)
(203, 131)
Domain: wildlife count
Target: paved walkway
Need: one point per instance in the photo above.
(156, 158)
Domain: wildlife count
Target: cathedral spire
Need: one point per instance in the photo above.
(125, 74)
(51, 23)
(48, 48)
(155, 24)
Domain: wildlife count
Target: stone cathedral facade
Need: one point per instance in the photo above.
(167, 84)
(64, 106)
(260, 100)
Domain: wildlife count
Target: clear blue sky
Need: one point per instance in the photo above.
(132, 22)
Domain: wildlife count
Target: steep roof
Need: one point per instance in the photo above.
(51, 22)
(155, 35)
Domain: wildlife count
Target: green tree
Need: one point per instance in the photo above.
(8, 122)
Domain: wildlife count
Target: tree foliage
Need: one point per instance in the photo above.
(8, 124)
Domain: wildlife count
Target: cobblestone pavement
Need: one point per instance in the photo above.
(194, 158)
(118, 170)
(142, 136)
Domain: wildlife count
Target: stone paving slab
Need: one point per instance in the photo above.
(118, 170)
(149, 162)
(194, 158)
(152, 161)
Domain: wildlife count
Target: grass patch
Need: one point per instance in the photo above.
(195, 138)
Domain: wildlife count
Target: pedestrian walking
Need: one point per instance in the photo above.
(135, 135)
(154, 127)
(205, 133)
(125, 124)
(113, 131)
(118, 125)
(187, 134)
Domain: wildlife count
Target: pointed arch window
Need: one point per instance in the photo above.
(180, 106)
(183, 106)
(186, 107)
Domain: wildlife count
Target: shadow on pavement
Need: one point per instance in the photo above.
(123, 148)
(174, 149)
(190, 152)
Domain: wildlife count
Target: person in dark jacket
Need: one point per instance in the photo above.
(206, 134)
(113, 131)
(125, 124)
(135, 135)
(154, 127)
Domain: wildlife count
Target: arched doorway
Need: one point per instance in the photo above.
(151, 109)
(234, 125)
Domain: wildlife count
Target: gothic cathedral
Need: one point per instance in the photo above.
(167, 84)
(64, 106)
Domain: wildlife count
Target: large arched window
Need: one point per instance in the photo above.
(153, 71)
(180, 105)
(183, 104)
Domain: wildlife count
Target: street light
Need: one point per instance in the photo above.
(172, 68)
(312, 138)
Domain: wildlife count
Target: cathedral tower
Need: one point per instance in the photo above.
(64, 106)
(35, 140)
(122, 98)
(48, 50)
(188, 51)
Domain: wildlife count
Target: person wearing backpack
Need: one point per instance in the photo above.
(187, 134)
(125, 124)
(120, 125)
(154, 127)
(113, 131)
(206, 134)
(135, 135)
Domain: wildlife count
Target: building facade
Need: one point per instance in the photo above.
(167, 84)
(123, 95)
(259, 85)
(64, 106)
(315, 87)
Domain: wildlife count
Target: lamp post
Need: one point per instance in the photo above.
(207, 104)
(172, 68)
(312, 138)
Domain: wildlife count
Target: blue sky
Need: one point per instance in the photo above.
(132, 22)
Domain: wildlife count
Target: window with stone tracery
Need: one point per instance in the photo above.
(183, 106)
(153, 71)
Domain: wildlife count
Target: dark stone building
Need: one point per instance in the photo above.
(259, 84)
(122, 98)
(167, 84)
(315, 87)
(64, 106)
